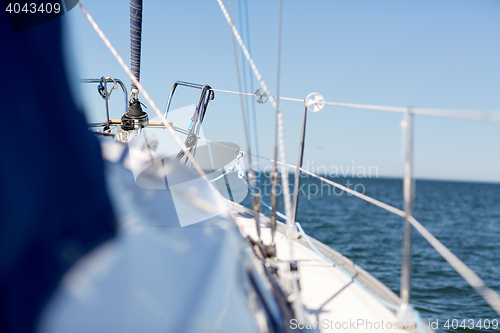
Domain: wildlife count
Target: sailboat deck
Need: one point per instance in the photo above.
(334, 299)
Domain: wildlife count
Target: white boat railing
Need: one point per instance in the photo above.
(489, 295)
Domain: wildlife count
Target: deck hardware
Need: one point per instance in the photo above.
(294, 269)
(103, 91)
(134, 118)
(207, 94)
(406, 309)
(260, 96)
(314, 102)
(109, 80)
(271, 251)
(274, 202)
(100, 87)
(257, 209)
(308, 101)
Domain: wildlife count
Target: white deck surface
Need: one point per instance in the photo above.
(334, 301)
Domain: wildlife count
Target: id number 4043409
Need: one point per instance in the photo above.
(471, 323)
(33, 8)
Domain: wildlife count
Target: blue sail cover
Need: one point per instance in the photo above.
(53, 203)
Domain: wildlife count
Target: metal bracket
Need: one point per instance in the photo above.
(260, 96)
(314, 102)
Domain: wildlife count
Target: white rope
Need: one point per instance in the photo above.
(143, 91)
(478, 115)
(236, 165)
(281, 137)
(233, 92)
(224, 174)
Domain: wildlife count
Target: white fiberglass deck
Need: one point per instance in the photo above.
(335, 302)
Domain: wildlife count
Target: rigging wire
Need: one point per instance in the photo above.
(279, 145)
(291, 232)
(279, 57)
(477, 115)
(243, 67)
(252, 121)
(274, 174)
(255, 199)
(278, 84)
(239, 87)
(254, 113)
(281, 140)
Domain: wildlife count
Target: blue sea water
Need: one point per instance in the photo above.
(464, 216)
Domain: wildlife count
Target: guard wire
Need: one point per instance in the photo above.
(255, 201)
(492, 116)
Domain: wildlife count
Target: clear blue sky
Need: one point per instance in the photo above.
(442, 54)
